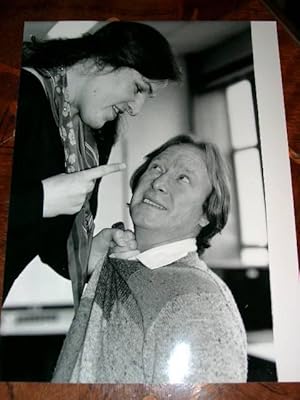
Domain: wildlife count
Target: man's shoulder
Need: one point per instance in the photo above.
(193, 273)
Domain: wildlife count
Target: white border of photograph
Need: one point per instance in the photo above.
(284, 272)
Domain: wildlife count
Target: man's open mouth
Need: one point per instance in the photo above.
(153, 204)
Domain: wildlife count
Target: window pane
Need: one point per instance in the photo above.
(250, 197)
(241, 115)
(255, 256)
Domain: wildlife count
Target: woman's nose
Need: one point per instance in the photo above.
(135, 106)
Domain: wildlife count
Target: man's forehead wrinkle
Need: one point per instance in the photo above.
(188, 161)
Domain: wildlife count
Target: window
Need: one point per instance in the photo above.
(248, 173)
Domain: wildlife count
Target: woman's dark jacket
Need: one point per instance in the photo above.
(38, 154)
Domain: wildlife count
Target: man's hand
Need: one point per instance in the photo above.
(66, 193)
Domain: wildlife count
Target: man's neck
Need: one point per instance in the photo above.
(147, 239)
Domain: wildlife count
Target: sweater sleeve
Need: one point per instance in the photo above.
(195, 339)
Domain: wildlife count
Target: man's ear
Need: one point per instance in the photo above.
(203, 221)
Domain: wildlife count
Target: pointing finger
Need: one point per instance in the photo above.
(102, 170)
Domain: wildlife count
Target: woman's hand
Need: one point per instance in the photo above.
(124, 245)
(66, 193)
(116, 242)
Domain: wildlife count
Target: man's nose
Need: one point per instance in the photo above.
(161, 183)
(135, 106)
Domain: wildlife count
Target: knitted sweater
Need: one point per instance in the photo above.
(175, 324)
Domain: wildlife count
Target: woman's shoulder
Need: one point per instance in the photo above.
(31, 86)
(33, 104)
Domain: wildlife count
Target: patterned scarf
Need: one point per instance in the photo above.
(80, 153)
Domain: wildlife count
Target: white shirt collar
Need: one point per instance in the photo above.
(166, 253)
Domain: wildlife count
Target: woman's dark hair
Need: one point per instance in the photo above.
(117, 44)
(216, 206)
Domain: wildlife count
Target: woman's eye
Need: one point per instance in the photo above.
(184, 178)
(138, 89)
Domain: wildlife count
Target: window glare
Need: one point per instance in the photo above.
(241, 115)
(251, 197)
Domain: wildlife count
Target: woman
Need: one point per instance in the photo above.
(72, 94)
(163, 317)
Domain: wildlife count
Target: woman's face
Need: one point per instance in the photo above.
(105, 95)
(170, 194)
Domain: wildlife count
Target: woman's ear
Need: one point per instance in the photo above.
(203, 221)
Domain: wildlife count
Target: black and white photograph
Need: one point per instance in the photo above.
(151, 233)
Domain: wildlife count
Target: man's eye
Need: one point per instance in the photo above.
(156, 167)
(184, 178)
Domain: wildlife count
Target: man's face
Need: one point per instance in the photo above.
(170, 194)
(109, 93)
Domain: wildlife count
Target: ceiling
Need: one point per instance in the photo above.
(184, 36)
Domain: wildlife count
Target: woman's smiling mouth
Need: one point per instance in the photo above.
(116, 110)
(153, 204)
